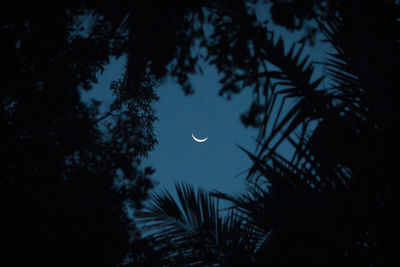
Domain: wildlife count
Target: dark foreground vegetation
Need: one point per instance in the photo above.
(66, 183)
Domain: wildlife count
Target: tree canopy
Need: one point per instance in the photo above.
(66, 184)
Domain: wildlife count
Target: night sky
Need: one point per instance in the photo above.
(313, 185)
(217, 164)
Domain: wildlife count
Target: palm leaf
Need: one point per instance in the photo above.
(191, 229)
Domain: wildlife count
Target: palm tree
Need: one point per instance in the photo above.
(191, 231)
(333, 203)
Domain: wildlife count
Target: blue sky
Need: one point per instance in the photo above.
(212, 164)
(216, 163)
(177, 157)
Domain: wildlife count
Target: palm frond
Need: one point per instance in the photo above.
(348, 92)
(293, 82)
(191, 229)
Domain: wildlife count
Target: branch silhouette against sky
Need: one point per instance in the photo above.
(305, 91)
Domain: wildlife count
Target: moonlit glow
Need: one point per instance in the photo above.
(199, 140)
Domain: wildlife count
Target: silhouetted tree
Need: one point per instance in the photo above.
(190, 230)
(65, 183)
(333, 203)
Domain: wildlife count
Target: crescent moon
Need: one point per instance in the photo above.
(199, 140)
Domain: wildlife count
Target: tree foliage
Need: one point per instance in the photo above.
(65, 183)
(334, 202)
